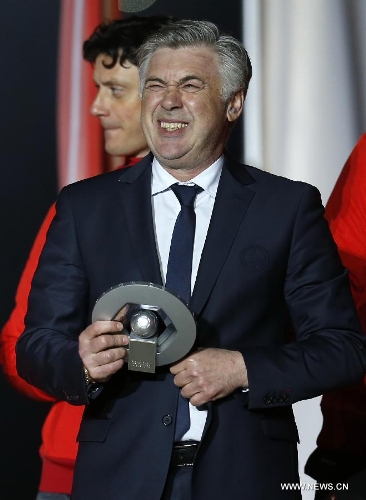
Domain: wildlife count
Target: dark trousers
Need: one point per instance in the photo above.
(178, 484)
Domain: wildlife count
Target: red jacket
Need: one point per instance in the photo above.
(344, 411)
(59, 446)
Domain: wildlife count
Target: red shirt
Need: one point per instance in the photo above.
(344, 411)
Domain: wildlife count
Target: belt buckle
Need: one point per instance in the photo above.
(184, 453)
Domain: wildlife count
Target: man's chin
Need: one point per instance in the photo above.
(171, 159)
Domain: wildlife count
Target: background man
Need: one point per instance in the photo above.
(112, 50)
(263, 260)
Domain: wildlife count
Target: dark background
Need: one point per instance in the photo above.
(28, 38)
(29, 41)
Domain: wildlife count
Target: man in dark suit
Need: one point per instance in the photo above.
(263, 263)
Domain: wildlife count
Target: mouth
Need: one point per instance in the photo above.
(172, 126)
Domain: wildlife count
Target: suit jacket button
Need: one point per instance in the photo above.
(167, 419)
(287, 398)
(266, 400)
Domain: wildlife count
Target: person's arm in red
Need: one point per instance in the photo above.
(346, 214)
(14, 327)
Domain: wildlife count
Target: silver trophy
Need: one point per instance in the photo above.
(160, 326)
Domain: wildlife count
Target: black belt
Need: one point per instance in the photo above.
(184, 453)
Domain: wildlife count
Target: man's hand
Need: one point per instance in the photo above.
(101, 349)
(210, 374)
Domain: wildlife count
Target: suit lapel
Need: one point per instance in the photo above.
(135, 191)
(232, 200)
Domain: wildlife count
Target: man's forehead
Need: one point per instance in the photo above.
(196, 61)
(178, 51)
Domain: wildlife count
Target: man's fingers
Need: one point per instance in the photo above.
(107, 341)
(100, 327)
(210, 374)
(103, 364)
(104, 372)
(108, 356)
(102, 348)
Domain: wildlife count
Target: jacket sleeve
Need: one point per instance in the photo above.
(14, 326)
(47, 355)
(329, 351)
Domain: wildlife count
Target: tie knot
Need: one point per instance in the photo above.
(185, 194)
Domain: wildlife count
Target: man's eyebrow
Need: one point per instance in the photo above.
(190, 77)
(179, 82)
(152, 79)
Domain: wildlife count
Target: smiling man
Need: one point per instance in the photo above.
(185, 118)
(257, 260)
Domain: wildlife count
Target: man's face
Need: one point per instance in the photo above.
(184, 118)
(118, 107)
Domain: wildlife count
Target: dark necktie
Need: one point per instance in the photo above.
(179, 271)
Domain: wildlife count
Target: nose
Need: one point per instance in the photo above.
(171, 98)
(98, 107)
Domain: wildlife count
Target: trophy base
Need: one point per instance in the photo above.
(142, 354)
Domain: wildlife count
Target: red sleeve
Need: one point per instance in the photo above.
(14, 327)
(346, 214)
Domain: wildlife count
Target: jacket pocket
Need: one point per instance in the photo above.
(280, 427)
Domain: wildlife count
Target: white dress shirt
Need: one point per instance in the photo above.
(166, 208)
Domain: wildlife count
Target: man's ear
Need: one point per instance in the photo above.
(235, 106)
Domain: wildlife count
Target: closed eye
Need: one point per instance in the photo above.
(191, 87)
(155, 86)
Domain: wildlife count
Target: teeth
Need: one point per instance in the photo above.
(172, 126)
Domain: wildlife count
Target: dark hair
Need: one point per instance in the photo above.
(121, 38)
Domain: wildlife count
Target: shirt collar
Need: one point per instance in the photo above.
(208, 180)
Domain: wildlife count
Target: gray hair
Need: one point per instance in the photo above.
(235, 68)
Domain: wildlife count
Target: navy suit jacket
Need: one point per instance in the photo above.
(269, 266)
